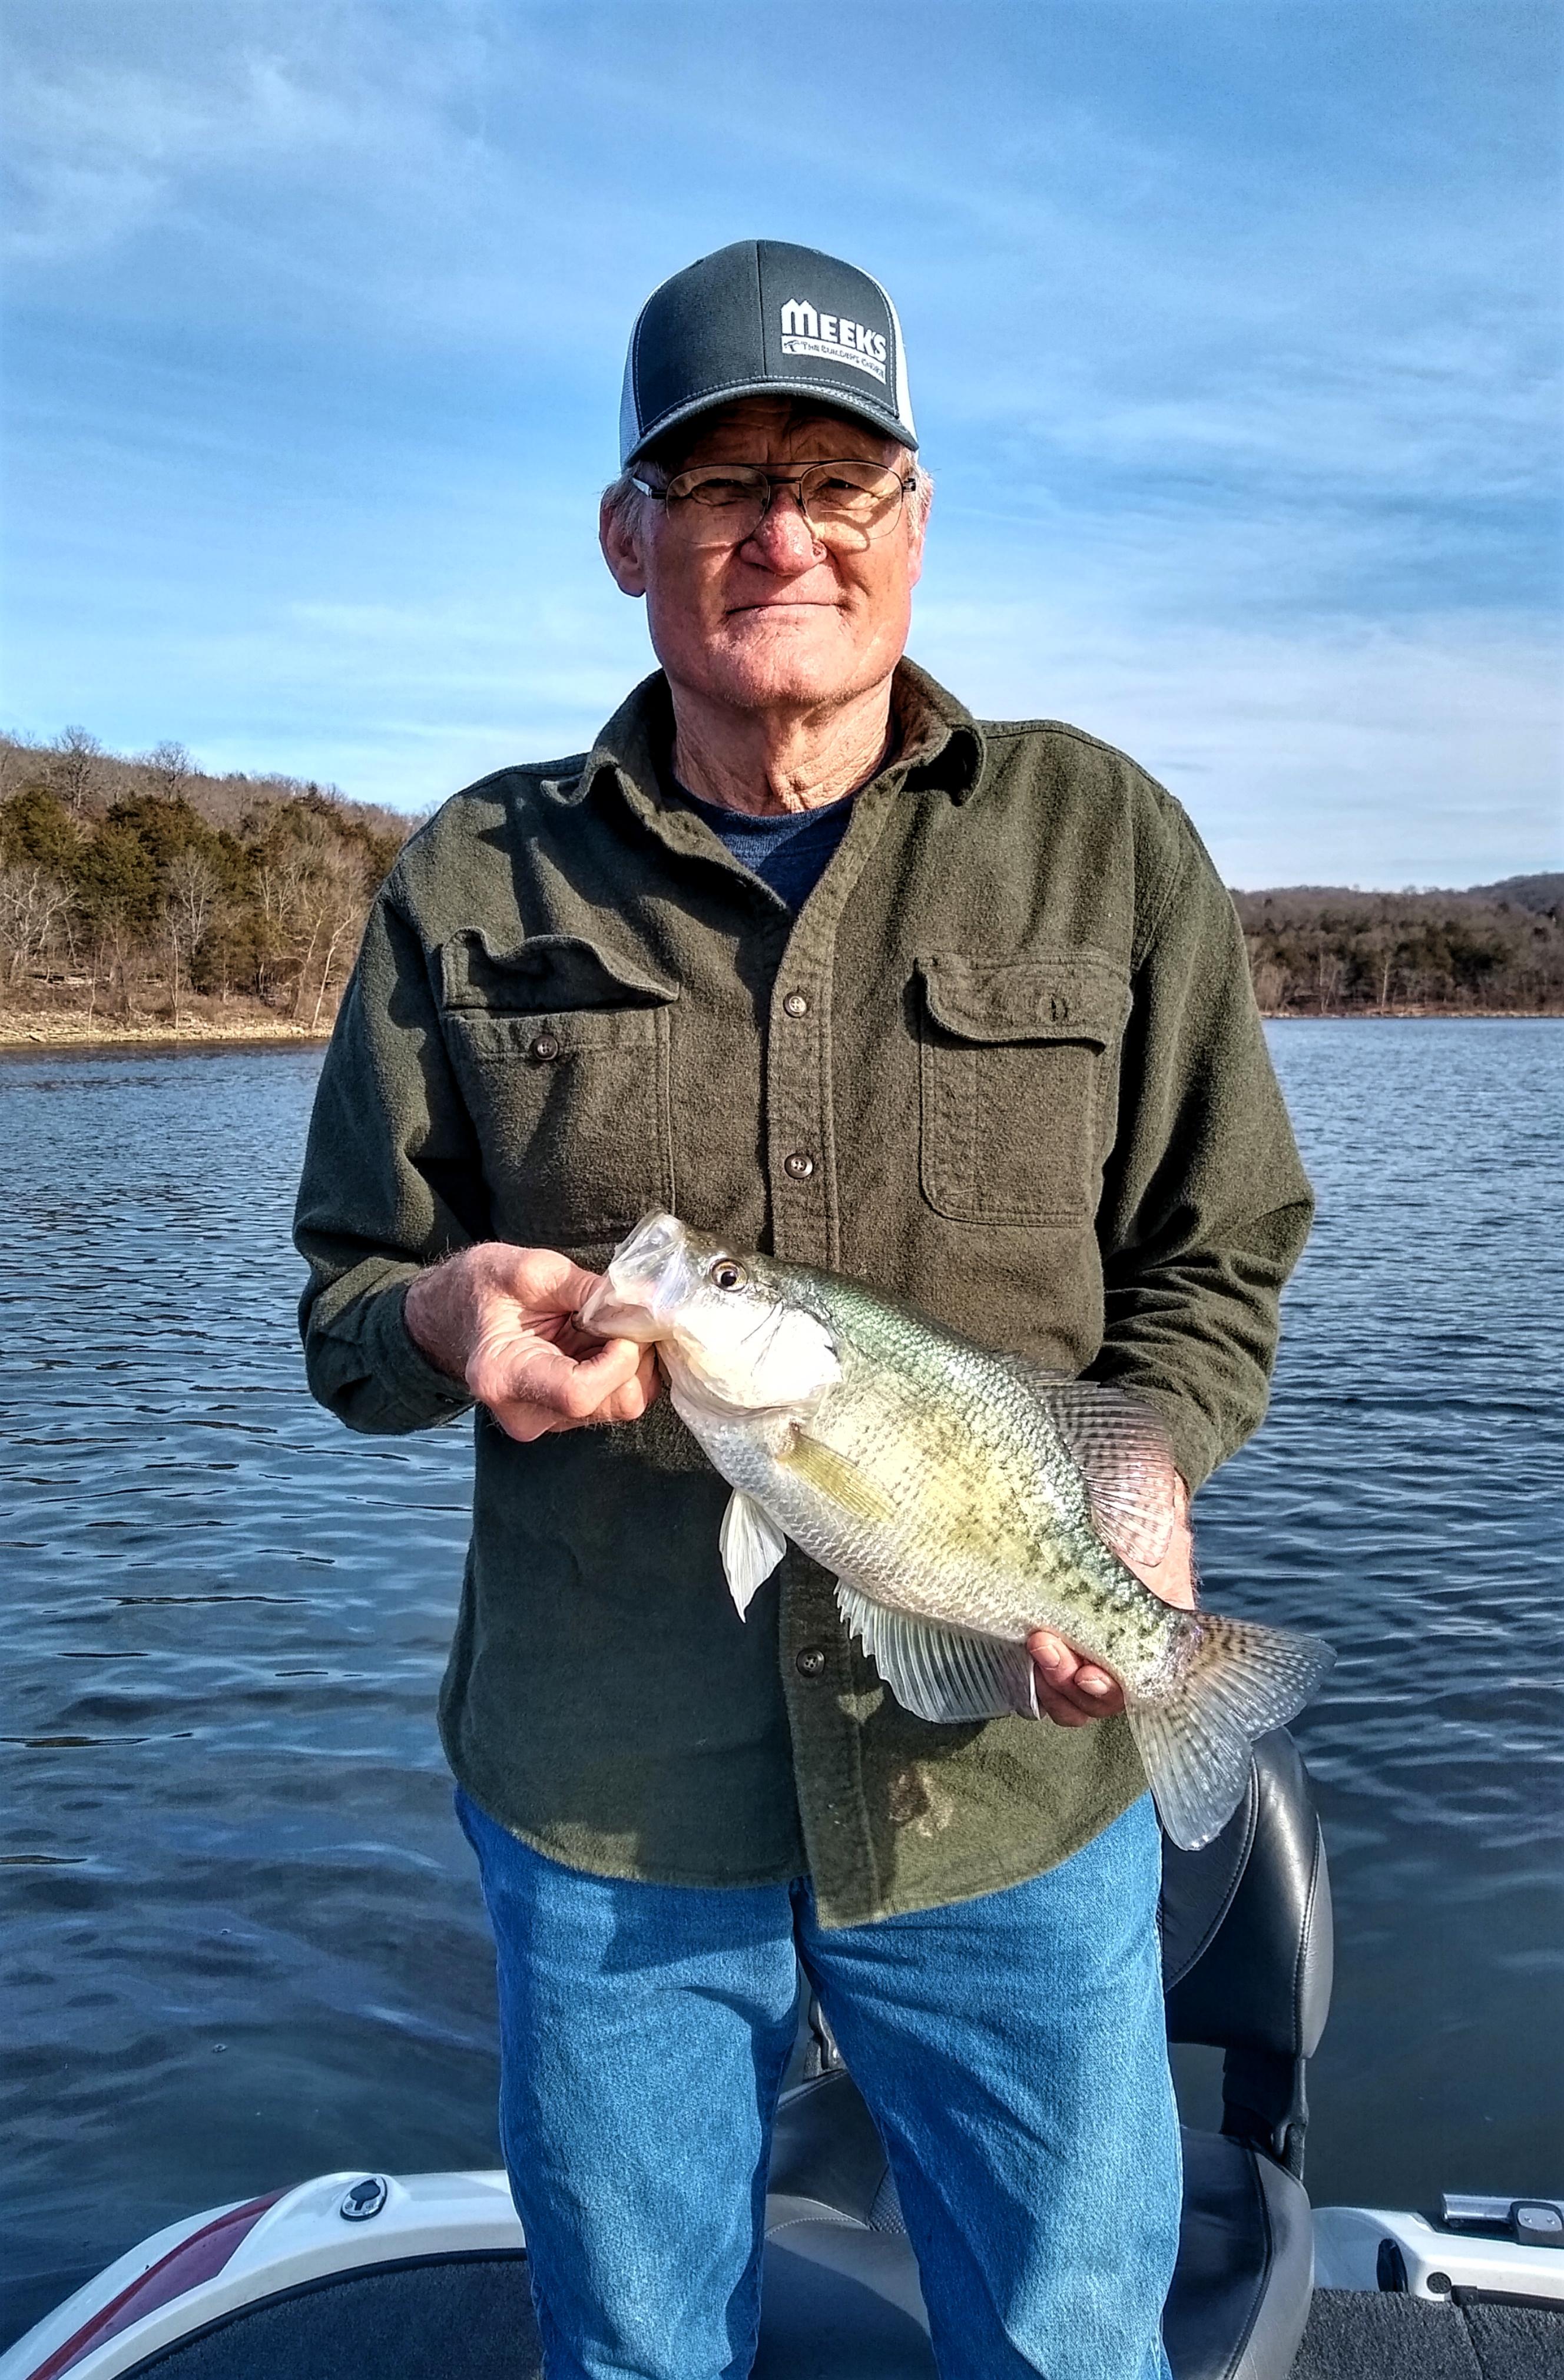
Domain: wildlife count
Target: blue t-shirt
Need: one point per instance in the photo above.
(789, 852)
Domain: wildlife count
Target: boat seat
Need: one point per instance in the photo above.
(1247, 1965)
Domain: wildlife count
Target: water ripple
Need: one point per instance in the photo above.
(234, 1900)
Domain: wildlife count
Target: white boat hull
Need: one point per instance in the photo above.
(301, 2236)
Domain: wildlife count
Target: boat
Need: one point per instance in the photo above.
(424, 2276)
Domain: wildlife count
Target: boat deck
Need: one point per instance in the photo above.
(470, 2318)
(1354, 2335)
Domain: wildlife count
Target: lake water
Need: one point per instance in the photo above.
(240, 1942)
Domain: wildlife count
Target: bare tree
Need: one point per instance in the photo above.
(289, 913)
(32, 903)
(77, 767)
(188, 902)
(342, 916)
(117, 950)
(1270, 986)
(1328, 971)
(172, 769)
(17, 760)
(1385, 950)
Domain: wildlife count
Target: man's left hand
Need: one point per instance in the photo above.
(1072, 1690)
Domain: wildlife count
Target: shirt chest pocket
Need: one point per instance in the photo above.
(1018, 1066)
(561, 1047)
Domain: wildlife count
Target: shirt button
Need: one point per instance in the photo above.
(545, 1046)
(798, 1165)
(810, 1663)
(795, 1004)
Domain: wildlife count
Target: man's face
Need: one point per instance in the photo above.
(779, 620)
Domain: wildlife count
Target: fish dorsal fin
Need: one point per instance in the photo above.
(1125, 1456)
(936, 1672)
(835, 1475)
(751, 1545)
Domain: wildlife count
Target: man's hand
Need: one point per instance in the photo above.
(1073, 1691)
(502, 1319)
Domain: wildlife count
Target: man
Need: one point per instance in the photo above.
(806, 953)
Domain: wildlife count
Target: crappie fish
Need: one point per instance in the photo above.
(962, 1498)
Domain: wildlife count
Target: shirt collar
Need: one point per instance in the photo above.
(939, 747)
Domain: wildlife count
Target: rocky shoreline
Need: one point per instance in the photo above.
(1399, 1015)
(67, 1029)
(23, 1029)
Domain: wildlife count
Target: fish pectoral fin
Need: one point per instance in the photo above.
(1125, 1457)
(836, 1475)
(945, 1674)
(751, 1545)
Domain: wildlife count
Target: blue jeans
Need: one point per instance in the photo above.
(1011, 2048)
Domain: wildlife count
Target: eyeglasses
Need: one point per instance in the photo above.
(845, 504)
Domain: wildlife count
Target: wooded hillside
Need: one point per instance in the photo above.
(143, 888)
(1316, 950)
(146, 891)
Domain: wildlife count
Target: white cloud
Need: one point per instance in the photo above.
(97, 152)
(146, 126)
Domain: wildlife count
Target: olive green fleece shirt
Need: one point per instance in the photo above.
(1005, 1062)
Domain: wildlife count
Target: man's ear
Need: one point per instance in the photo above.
(915, 536)
(618, 527)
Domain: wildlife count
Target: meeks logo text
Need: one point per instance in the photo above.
(806, 332)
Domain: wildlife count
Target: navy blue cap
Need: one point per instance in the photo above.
(763, 318)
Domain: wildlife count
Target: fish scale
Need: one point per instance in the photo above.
(961, 1498)
(991, 1520)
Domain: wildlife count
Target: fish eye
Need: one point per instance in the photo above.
(726, 1274)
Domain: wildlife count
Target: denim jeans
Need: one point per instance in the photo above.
(1011, 2048)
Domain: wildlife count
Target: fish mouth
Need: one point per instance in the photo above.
(650, 1275)
(742, 1357)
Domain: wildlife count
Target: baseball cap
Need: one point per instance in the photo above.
(763, 318)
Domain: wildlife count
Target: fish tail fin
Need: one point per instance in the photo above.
(1238, 1678)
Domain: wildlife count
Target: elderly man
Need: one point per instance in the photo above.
(805, 952)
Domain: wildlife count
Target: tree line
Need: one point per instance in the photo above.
(1322, 951)
(145, 886)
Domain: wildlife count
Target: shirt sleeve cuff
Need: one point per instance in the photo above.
(417, 1391)
(1197, 1451)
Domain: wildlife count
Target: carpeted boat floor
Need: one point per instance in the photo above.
(1354, 2335)
(469, 2318)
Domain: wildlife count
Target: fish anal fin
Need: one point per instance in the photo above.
(836, 1475)
(1124, 1454)
(751, 1545)
(944, 1674)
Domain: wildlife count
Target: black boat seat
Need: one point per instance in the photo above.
(1246, 2272)
(1246, 1962)
(842, 2299)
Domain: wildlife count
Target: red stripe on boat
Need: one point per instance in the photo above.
(196, 2259)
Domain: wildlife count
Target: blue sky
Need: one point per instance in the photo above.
(1233, 329)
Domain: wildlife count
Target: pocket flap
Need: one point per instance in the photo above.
(1076, 997)
(548, 973)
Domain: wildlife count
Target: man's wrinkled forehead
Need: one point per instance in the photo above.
(751, 426)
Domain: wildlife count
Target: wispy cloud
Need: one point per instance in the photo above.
(1429, 752)
(102, 152)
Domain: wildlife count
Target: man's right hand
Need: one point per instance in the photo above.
(503, 1321)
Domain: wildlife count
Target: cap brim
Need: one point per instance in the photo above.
(827, 400)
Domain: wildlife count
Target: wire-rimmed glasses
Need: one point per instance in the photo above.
(847, 505)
